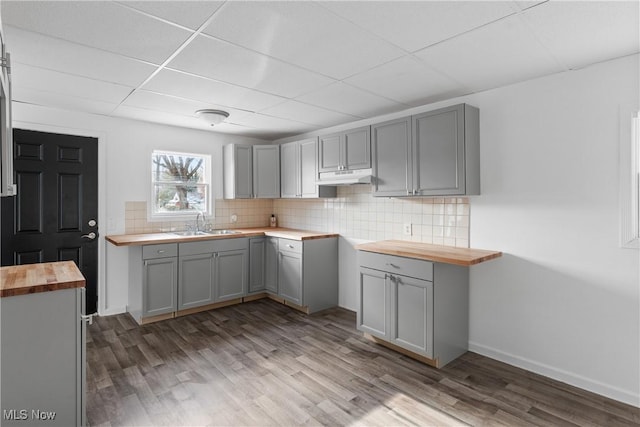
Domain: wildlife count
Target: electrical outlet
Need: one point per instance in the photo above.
(407, 229)
(234, 218)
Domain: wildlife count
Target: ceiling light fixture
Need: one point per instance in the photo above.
(212, 117)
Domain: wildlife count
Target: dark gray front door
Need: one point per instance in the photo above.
(54, 217)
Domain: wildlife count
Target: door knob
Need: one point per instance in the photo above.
(89, 236)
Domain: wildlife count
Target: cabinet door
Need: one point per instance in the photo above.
(412, 314)
(271, 265)
(289, 170)
(195, 287)
(159, 286)
(290, 276)
(243, 172)
(266, 171)
(256, 264)
(438, 152)
(308, 169)
(391, 157)
(329, 153)
(231, 274)
(357, 149)
(373, 302)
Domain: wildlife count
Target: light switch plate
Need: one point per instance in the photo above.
(406, 229)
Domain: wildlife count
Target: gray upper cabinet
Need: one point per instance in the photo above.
(391, 161)
(257, 246)
(345, 150)
(435, 153)
(266, 171)
(299, 171)
(251, 171)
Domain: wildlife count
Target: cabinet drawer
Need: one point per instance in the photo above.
(289, 245)
(397, 265)
(160, 251)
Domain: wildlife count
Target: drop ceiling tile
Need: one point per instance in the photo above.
(526, 4)
(496, 55)
(190, 86)
(35, 49)
(191, 14)
(582, 33)
(104, 25)
(57, 100)
(344, 98)
(174, 105)
(294, 110)
(407, 80)
(162, 117)
(413, 25)
(302, 33)
(271, 124)
(223, 61)
(66, 84)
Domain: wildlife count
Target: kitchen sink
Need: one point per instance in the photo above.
(205, 233)
(222, 232)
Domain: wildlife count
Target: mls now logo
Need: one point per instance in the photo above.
(23, 414)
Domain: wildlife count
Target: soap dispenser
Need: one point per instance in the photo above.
(273, 222)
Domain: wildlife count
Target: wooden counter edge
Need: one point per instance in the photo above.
(434, 258)
(78, 282)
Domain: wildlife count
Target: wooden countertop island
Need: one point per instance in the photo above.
(33, 278)
(436, 253)
(168, 237)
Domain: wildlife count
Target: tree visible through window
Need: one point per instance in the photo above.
(180, 183)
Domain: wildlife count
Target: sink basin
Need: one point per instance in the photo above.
(222, 232)
(205, 233)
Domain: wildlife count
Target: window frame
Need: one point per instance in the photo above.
(180, 215)
(630, 178)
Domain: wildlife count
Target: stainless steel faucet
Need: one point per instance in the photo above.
(200, 213)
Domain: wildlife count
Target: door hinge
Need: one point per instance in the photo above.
(87, 318)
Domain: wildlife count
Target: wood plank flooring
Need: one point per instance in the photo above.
(264, 364)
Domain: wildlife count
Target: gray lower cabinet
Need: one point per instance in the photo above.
(153, 280)
(435, 153)
(196, 280)
(308, 272)
(417, 305)
(231, 274)
(271, 265)
(257, 267)
(43, 354)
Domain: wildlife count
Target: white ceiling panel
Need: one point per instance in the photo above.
(495, 55)
(223, 61)
(104, 25)
(408, 80)
(347, 99)
(270, 124)
(580, 33)
(162, 117)
(65, 84)
(62, 101)
(201, 89)
(413, 25)
(60, 55)
(302, 33)
(190, 14)
(294, 110)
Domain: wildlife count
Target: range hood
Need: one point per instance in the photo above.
(348, 177)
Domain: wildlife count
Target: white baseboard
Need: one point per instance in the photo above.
(112, 310)
(571, 378)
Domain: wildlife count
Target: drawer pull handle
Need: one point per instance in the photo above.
(392, 265)
(290, 246)
(161, 251)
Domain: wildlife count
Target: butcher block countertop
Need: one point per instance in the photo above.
(32, 278)
(156, 238)
(435, 253)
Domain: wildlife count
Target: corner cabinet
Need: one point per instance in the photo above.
(414, 305)
(345, 150)
(435, 153)
(308, 273)
(299, 171)
(257, 264)
(251, 171)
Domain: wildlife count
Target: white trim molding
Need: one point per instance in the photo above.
(629, 167)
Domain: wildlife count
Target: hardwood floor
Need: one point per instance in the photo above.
(262, 363)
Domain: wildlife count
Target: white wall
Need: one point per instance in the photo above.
(125, 152)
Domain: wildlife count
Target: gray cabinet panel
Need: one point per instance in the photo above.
(391, 164)
(231, 274)
(159, 285)
(357, 149)
(438, 150)
(290, 170)
(237, 171)
(308, 169)
(257, 248)
(266, 171)
(290, 276)
(196, 281)
(329, 153)
(271, 264)
(412, 324)
(373, 302)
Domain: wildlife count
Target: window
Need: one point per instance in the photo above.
(630, 180)
(180, 184)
